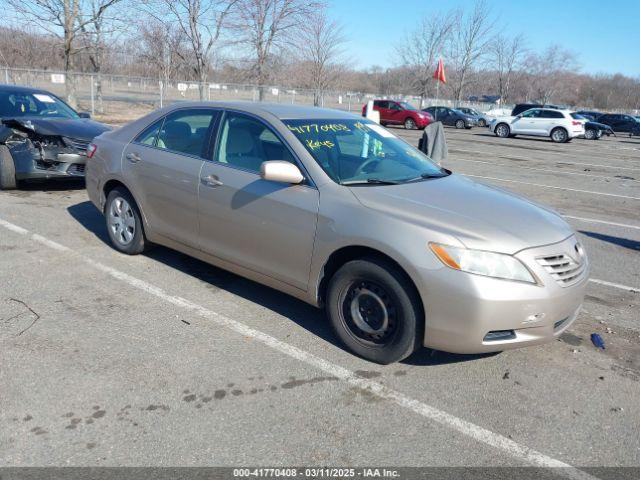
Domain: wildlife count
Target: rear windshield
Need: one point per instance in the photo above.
(360, 151)
(577, 116)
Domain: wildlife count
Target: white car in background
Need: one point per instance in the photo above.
(559, 125)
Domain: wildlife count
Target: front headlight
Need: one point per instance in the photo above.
(489, 264)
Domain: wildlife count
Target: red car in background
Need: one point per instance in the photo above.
(400, 113)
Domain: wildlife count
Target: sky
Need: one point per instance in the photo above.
(605, 35)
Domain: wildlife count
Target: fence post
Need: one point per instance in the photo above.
(6, 76)
(93, 102)
(161, 91)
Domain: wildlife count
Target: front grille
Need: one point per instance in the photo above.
(76, 169)
(563, 268)
(78, 144)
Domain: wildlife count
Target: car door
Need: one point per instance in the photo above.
(546, 121)
(383, 108)
(525, 122)
(268, 227)
(162, 169)
(395, 113)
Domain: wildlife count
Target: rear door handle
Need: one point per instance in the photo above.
(133, 157)
(211, 181)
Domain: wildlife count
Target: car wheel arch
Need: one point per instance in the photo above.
(113, 183)
(348, 253)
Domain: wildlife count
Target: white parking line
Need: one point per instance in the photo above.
(615, 285)
(547, 170)
(464, 427)
(594, 220)
(553, 186)
(474, 152)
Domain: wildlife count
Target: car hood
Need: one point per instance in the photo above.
(479, 216)
(78, 128)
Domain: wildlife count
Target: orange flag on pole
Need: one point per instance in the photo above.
(439, 73)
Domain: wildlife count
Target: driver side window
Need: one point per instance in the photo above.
(246, 142)
(531, 114)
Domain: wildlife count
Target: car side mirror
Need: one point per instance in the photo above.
(281, 171)
(84, 114)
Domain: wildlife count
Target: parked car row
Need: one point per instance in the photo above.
(330, 208)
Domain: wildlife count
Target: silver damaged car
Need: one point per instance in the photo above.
(339, 212)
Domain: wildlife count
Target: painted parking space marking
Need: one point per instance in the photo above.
(480, 434)
(553, 186)
(595, 220)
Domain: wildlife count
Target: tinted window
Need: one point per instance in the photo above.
(550, 114)
(381, 103)
(246, 143)
(185, 131)
(533, 113)
(149, 135)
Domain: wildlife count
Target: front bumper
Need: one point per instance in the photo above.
(30, 166)
(468, 313)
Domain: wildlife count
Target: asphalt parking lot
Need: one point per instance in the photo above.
(162, 360)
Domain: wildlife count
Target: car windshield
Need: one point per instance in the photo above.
(407, 106)
(26, 104)
(356, 152)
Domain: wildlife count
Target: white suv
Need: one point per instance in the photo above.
(539, 122)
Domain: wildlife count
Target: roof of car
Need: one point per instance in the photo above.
(279, 110)
(19, 88)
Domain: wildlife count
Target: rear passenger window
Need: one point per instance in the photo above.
(185, 131)
(149, 135)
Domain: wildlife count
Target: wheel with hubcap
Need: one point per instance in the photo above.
(7, 170)
(502, 130)
(124, 222)
(590, 134)
(410, 124)
(559, 135)
(482, 122)
(375, 310)
(460, 124)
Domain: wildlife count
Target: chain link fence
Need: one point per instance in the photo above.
(119, 98)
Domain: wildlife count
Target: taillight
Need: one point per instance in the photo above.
(91, 150)
(576, 122)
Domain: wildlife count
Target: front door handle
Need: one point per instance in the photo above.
(211, 181)
(133, 157)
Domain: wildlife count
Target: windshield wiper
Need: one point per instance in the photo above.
(369, 181)
(425, 176)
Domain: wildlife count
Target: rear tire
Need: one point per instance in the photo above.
(7, 170)
(460, 124)
(591, 134)
(124, 222)
(410, 124)
(482, 122)
(375, 311)
(502, 130)
(559, 135)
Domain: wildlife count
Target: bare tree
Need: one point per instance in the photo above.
(547, 72)
(469, 43)
(61, 18)
(320, 43)
(202, 23)
(162, 48)
(421, 48)
(265, 25)
(506, 59)
(96, 27)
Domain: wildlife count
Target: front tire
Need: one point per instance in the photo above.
(502, 130)
(374, 310)
(460, 124)
(7, 170)
(482, 122)
(559, 135)
(591, 134)
(124, 222)
(410, 124)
